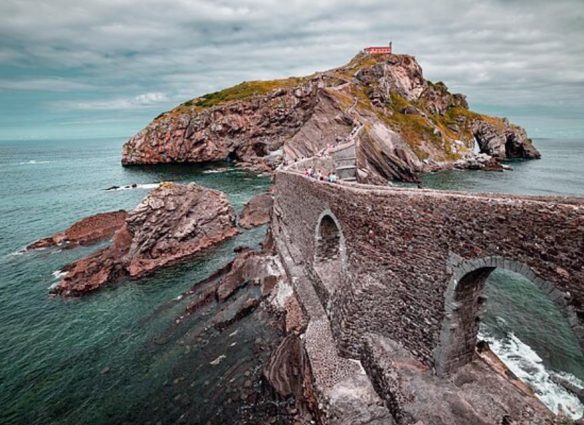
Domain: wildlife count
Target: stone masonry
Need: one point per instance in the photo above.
(414, 261)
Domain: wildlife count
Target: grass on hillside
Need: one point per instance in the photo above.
(240, 91)
(245, 90)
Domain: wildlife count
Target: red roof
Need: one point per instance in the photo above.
(378, 49)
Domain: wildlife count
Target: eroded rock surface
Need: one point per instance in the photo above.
(476, 394)
(382, 104)
(87, 231)
(503, 140)
(172, 223)
(256, 211)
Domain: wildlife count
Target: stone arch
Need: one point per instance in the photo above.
(465, 303)
(329, 254)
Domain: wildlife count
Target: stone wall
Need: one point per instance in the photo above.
(406, 250)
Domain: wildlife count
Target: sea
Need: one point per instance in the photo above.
(117, 356)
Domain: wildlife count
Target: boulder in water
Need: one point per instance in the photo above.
(172, 223)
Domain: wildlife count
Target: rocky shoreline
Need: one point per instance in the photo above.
(394, 124)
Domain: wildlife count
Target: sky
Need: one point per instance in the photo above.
(101, 68)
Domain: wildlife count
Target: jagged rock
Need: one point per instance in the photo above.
(438, 100)
(502, 140)
(476, 394)
(256, 211)
(574, 389)
(410, 110)
(87, 231)
(173, 222)
(250, 267)
(284, 370)
(260, 124)
(479, 162)
(401, 74)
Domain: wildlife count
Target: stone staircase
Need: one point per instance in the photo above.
(345, 157)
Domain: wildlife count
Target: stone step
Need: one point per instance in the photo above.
(345, 158)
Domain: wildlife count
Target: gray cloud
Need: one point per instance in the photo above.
(522, 52)
(142, 100)
(43, 84)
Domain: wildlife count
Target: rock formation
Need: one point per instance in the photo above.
(250, 268)
(87, 231)
(256, 211)
(172, 223)
(399, 122)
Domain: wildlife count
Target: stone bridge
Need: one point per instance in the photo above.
(410, 264)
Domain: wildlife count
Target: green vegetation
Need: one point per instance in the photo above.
(414, 129)
(241, 91)
(244, 90)
(167, 185)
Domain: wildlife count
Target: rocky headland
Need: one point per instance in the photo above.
(399, 123)
(87, 231)
(172, 223)
(377, 116)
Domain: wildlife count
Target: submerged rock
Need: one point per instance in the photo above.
(261, 269)
(172, 223)
(87, 231)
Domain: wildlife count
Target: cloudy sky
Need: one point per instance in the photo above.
(93, 68)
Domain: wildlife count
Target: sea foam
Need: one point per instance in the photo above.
(58, 274)
(528, 366)
(136, 186)
(33, 162)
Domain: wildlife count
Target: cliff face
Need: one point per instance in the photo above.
(399, 122)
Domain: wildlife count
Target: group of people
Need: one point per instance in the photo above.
(331, 177)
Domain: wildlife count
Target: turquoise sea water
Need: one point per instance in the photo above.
(116, 356)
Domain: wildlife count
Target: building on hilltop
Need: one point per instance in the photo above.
(378, 50)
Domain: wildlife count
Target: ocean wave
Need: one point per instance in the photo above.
(18, 253)
(33, 162)
(58, 274)
(216, 171)
(528, 366)
(148, 186)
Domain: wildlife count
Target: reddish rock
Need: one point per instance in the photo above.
(256, 211)
(87, 231)
(384, 106)
(172, 223)
(250, 268)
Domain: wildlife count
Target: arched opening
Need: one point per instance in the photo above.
(260, 149)
(329, 254)
(329, 238)
(465, 304)
(527, 326)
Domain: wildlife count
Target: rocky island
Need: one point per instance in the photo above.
(377, 112)
(378, 290)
